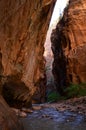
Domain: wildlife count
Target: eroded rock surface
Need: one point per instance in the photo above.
(8, 119)
(16, 93)
(23, 27)
(69, 45)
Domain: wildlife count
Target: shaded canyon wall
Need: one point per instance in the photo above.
(69, 45)
(8, 119)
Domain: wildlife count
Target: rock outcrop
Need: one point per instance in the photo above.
(8, 119)
(69, 45)
(23, 27)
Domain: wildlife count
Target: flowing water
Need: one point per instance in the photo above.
(51, 119)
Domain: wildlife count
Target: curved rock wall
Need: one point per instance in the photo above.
(8, 119)
(69, 45)
(23, 27)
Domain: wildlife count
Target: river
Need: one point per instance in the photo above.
(51, 119)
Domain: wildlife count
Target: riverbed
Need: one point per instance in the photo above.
(52, 119)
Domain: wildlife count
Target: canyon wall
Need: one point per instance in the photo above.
(8, 119)
(69, 45)
(23, 27)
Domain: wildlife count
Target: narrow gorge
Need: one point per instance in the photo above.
(23, 77)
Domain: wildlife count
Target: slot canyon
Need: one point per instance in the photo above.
(24, 79)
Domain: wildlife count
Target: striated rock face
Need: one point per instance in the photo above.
(69, 45)
(8, 120)
(23, 27)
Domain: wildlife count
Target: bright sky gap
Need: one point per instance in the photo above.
(58, 10)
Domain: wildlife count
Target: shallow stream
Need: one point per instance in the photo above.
(51, 119)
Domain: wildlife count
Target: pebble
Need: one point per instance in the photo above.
(19, 113)
(37, 107)
(22, 114)
(27, 110)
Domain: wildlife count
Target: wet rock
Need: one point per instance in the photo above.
(37, 107)
(22, 114)
(19, 113)
(27, 110)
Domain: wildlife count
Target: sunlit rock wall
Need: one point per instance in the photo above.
(23, 27)
(69, 45)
